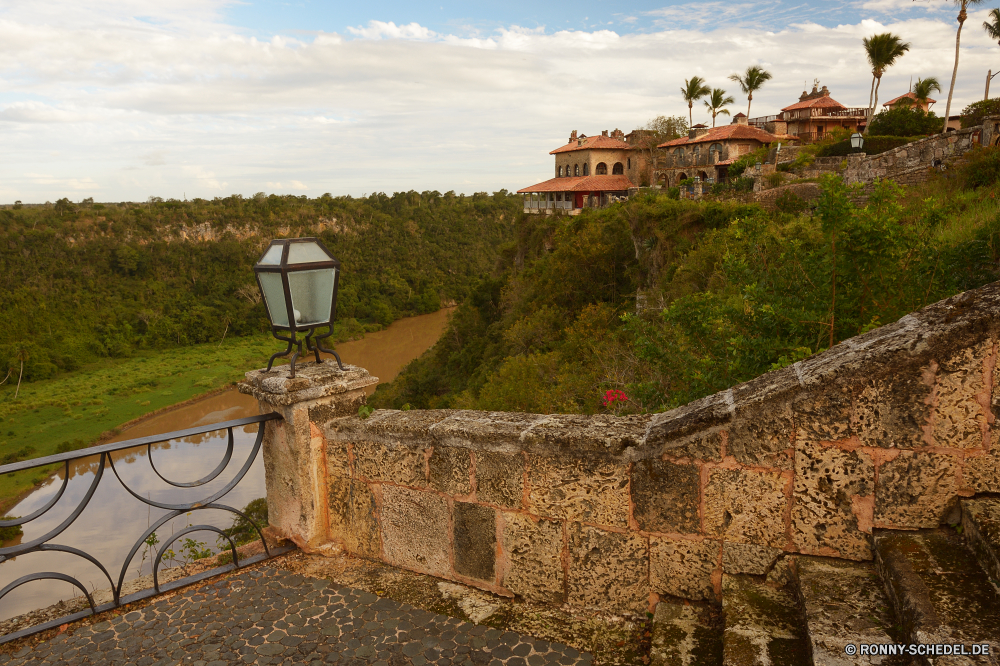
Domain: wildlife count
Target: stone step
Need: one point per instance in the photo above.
(686, 634)
(939, 592)
(764, 623)
(981, 528)
(845, 603)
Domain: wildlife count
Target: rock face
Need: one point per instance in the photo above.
(885, 431)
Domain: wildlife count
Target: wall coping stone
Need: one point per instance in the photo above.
(312, 382)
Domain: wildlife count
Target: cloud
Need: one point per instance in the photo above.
(381, 30)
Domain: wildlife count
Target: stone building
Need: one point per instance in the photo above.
(589, 171)
(705, 154)
(816, 114)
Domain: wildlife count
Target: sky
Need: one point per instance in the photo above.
(122, 100)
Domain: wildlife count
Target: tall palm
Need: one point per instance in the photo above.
(992, 27)
(694, 89)
(716, 103)
(882, 51)
(752, 80)
(923, 88)
(962, 15)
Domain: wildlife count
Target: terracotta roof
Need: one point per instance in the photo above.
(817, 103)
(725, 162)
(581, 184)
(591, 142)
(725, 133)
(911, 96)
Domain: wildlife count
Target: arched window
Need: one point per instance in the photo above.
(560, 172)
(618, 169)
(601, 169)
(679, 152)
(586, 169)
(703, 176)
(715, 148)
(576, 169)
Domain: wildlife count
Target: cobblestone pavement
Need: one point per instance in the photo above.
(272, 616)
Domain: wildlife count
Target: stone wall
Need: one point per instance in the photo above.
(888, 429)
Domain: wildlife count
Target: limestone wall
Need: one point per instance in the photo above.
(887, 429)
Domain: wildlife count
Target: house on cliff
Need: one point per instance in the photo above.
(817, 114)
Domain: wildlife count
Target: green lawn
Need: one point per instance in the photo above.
(75, 409)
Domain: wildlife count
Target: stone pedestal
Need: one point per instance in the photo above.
(294, 449)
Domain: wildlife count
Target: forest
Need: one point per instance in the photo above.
(649, 304)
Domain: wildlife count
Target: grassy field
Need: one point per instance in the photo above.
(76, 409)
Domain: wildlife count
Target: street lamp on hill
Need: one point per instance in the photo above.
(298, 279)
(857, 141)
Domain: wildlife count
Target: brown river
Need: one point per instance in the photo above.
(113, 520)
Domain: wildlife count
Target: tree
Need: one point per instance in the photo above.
(752, 80)
(882, 51)
(924, 87)
(992, 27)
(962, 15)
(651, 135)
(904, 121)
(694, 89)
(716, 103)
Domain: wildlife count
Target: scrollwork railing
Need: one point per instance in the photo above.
(44, 543)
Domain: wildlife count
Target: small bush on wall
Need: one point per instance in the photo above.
(905, 121)
(973, 114)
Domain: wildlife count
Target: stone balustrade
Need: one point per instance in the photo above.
(888, 429)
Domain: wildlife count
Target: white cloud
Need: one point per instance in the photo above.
(381, 30)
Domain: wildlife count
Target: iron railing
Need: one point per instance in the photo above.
(44, 542)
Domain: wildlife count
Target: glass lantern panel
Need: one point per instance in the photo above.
(312, 295)
(304, 253)
(272, 257)
(274, 297)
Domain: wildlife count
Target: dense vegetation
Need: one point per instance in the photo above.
(82, 282)
(729, 292)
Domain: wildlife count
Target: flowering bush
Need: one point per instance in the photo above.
(615, 400)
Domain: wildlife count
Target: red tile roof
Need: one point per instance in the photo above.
(911, 96)
(725, 133)
(817, 103)
(582, 184)
(599, 142)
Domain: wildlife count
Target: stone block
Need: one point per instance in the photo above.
(982, 472)
(533, 550)
(893, 414)
(666, 496)
(823, 415)
(701, 446)
(704, 414)
(607, 570)
(493, 431)
(601, 433)
(352, 516)
(746, 506)
(683, 568)
(475, 529)
(500, 478)
(412, 427)
(415, 532)
(915, 489)
(388, 463)
(449, 470)
(748, 558)
(592, 490)
(834, 501)
(338, 461)
(959, 418)
(761, 435)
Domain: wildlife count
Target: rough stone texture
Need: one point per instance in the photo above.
(449, 470)
(748, 558)
(938, 591)
(746, 506)
(704, 446)
(761, 436)
(403, 465)
(915, 489)
(958, 415)
(600, 433)
(534, 558)
(982, 472)
(683, 568)
(981, 527)
(823, 415)
(666, 496)
(475, 530)
(685, 634)
(352, 517)
(763, 625)
(845, 603)
(893, 413)
(313, 381)
(493, 431)
(591, 490)
(834, 500)
(693, 418)
(500, 479)
(415, 530)
(392, 427)
(607, 570)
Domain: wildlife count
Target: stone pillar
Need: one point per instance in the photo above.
(295, 450)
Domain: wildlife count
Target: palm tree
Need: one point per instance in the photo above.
(992, 27)
(882, 51)
(752, 80)
(923, 88)
(716, 102)
(962, 15)
(694, 89)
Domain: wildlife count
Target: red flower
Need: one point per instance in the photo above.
(611, 396)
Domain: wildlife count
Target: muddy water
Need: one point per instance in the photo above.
(113, 519)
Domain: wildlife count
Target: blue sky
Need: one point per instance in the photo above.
(126, 99)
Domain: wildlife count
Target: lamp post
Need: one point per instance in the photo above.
(298, 279)
(857, 142)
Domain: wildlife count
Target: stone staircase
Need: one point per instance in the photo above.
(934, 586)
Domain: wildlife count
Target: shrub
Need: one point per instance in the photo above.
(774, 179)
(982, 168)
(905, 121)
(789, 202)
(674, 193)
(737, 168)
(8, 533)
(973, 114)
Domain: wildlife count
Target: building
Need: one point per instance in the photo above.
(910, 100)
(590, 171)
(816, 114)
(706, 153)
